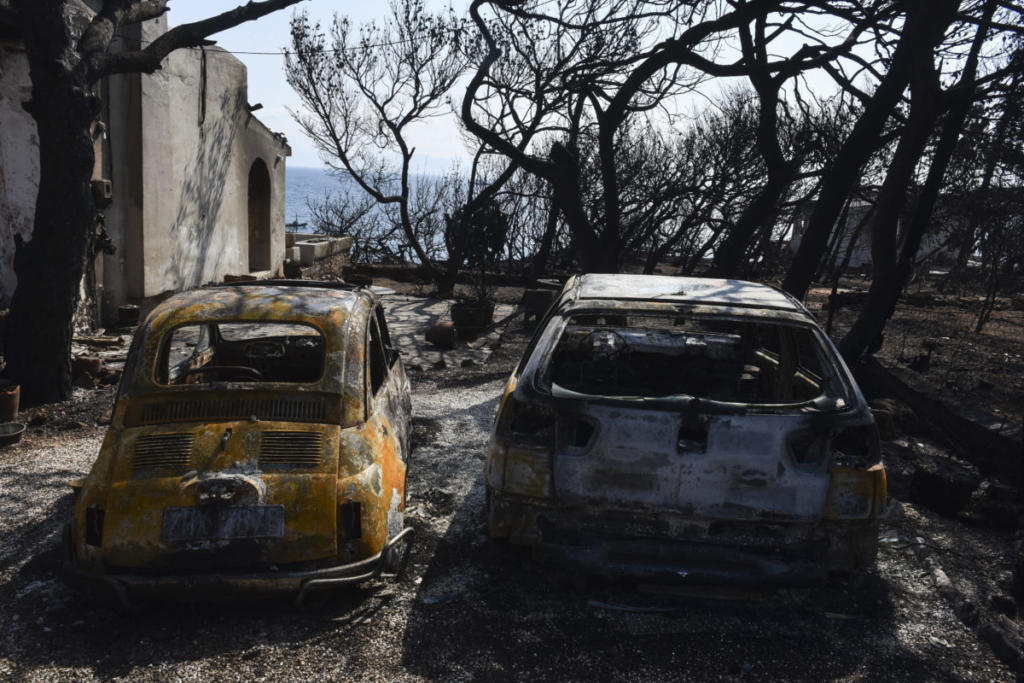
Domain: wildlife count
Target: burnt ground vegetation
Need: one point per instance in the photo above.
(939, 605)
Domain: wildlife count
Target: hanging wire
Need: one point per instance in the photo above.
(288, 53)
(279, 53)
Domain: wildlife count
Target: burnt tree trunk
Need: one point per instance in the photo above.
(540, 260)
(839, 178)
(49, 267)
(866, 332)
(828, 267)
(610, 242)
(594, 254)
(763, 210)
(864, 336)
(730, 256)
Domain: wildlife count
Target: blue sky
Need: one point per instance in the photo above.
(437, 143)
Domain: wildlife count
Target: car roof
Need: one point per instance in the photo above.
(716, 291)
(274, 300)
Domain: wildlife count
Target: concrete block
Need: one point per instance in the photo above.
(313, 249)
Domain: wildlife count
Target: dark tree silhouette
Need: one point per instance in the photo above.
(610, 61)
(892, 259)
(925, 31)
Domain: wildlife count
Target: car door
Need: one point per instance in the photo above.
(390, 407)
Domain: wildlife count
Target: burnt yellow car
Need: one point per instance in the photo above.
(259, 442)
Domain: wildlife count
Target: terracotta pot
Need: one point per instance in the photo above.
(442, 335)
(10, 396)
(471, 317)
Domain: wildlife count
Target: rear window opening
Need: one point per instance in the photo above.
(720, 359)
(255, 352)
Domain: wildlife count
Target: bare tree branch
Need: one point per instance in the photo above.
(144, 10)
(195, 34)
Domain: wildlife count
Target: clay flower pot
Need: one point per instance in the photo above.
(10, 396)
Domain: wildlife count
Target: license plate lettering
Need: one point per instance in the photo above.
(241, 521)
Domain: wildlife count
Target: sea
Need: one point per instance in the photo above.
(301, 184)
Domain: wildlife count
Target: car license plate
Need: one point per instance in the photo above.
(223, 522)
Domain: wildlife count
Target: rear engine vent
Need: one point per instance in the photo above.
(306, 409)
(291, 449)
(162, 450)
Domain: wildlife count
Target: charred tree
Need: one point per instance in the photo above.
(781, 169)
(892, 265)
(840, 177)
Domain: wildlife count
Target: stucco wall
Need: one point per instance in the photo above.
(19, 164)
(198, 142)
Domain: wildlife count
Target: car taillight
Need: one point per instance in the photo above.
(350, 522)
(525, 441)
(808, 447)
(851, 447)
(94, 526)
(527, 423)
(856, 447)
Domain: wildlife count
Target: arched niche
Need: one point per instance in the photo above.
(259, 216)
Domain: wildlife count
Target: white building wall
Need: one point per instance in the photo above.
(198, 143)
(180, 214)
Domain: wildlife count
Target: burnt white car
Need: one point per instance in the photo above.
(685, 429)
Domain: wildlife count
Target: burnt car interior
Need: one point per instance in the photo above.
(720, 359)
(241, 352)
(382, 355)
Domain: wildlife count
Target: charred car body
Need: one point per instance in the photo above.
(258, 441)
(665, 428)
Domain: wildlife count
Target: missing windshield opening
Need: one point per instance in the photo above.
(720, 359)
(251, 352)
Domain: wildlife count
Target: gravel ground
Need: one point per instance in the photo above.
(470, 609)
